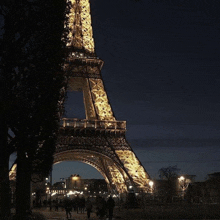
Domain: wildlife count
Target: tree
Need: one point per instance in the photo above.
(33, 88)
(31, 80)
(169, 174)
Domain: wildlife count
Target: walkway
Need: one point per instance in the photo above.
(61, 215)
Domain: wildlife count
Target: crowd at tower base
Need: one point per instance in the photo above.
(183, 188)
(182, 196)
(101, 206)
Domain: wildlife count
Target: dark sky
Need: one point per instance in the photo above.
(161, 74)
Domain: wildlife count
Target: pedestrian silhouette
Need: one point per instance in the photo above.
(110, 206)
(88, 207)
(102, 209)
(56, 205)
(68, 208)
(82, 202)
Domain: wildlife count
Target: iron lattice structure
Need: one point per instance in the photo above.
(99, 140)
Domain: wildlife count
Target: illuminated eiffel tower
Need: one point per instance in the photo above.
(99, 140)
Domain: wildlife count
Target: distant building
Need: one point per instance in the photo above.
(59, 185)
(215, 175)
(213, 187)
(205, 192)
(74, 182)
(96, 186)
(75, 185)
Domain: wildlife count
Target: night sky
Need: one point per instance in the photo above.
(161, 74)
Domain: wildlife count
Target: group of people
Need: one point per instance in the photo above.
(101, 206)
(77, 204)
(105, 207)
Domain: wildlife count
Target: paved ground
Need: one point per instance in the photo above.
(61, 215)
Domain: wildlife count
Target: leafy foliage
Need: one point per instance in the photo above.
(33, 82)
(33, 86)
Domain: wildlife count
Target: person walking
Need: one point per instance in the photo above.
(56, 205)
(68, 208)
(110, 206)
(88, 207)
(77, 201)
(102, 208)
(82, 202)
(98, 205)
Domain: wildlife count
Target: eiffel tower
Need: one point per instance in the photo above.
(99, 140)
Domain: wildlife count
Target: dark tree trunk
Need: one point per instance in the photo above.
(23, 180)
(4, 173)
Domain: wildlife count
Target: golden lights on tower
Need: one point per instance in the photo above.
(80, 25)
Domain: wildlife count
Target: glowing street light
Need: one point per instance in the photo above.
(151, 183)
(183, 184)
(75, 178)
(181, 178)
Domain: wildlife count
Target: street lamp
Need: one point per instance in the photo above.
(182, 184)
(151, 184)
(181, 178)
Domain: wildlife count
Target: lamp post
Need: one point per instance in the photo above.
(151, 184)
(85, 190)
(182, 184)
(50, 190)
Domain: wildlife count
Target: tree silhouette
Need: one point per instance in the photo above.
(33, 89)
(169, 174)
